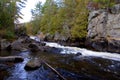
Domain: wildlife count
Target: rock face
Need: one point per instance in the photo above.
(104, 29)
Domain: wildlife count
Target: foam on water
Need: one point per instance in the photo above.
(35, 38)
(84, 52)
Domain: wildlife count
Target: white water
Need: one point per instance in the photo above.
(84, 52)
(35, 38)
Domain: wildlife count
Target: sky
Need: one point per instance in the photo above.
(30, 4)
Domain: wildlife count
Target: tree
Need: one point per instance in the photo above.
(49, 17)
(10, 12)
(105, 3)
(66, 17)
(36, 18)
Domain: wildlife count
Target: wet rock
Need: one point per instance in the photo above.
(110, 45)
(11, 59)
(4, 44)
(35, 38)
(34, 47)
(100, 44)
(33, 64)
(38, 46)
(78, 54)
(26, 39)
(52, 49)
(41, 44)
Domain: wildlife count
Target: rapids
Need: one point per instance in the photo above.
(91, 65)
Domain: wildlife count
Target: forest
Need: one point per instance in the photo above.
(10, 12)
(67, 18)
(64, 40)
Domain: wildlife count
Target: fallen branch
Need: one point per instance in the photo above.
(53, 69)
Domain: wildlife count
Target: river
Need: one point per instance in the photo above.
(91, 65)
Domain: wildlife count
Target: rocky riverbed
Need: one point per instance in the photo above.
(72, 63)
(68, 65)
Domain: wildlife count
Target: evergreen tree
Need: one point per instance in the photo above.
(10, 12)
(66, 17)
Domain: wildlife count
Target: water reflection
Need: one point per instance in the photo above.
(17, 72)
(69, 65)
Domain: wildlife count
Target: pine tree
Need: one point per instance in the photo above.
(10, 12)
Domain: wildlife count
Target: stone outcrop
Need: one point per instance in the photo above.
(104, 29)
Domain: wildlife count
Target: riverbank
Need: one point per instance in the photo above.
(70, 62)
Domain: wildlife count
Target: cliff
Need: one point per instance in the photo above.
(104, 29)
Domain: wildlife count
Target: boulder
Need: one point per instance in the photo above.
(17, 45)
(26, 39)
(51, 49)
(41, 36)
(49, 37)
(33, 64)
(34, 47)
(100, 44)
(78, 54)
(11, 59)
(42, 44)
(110, 45)
(4, 44)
